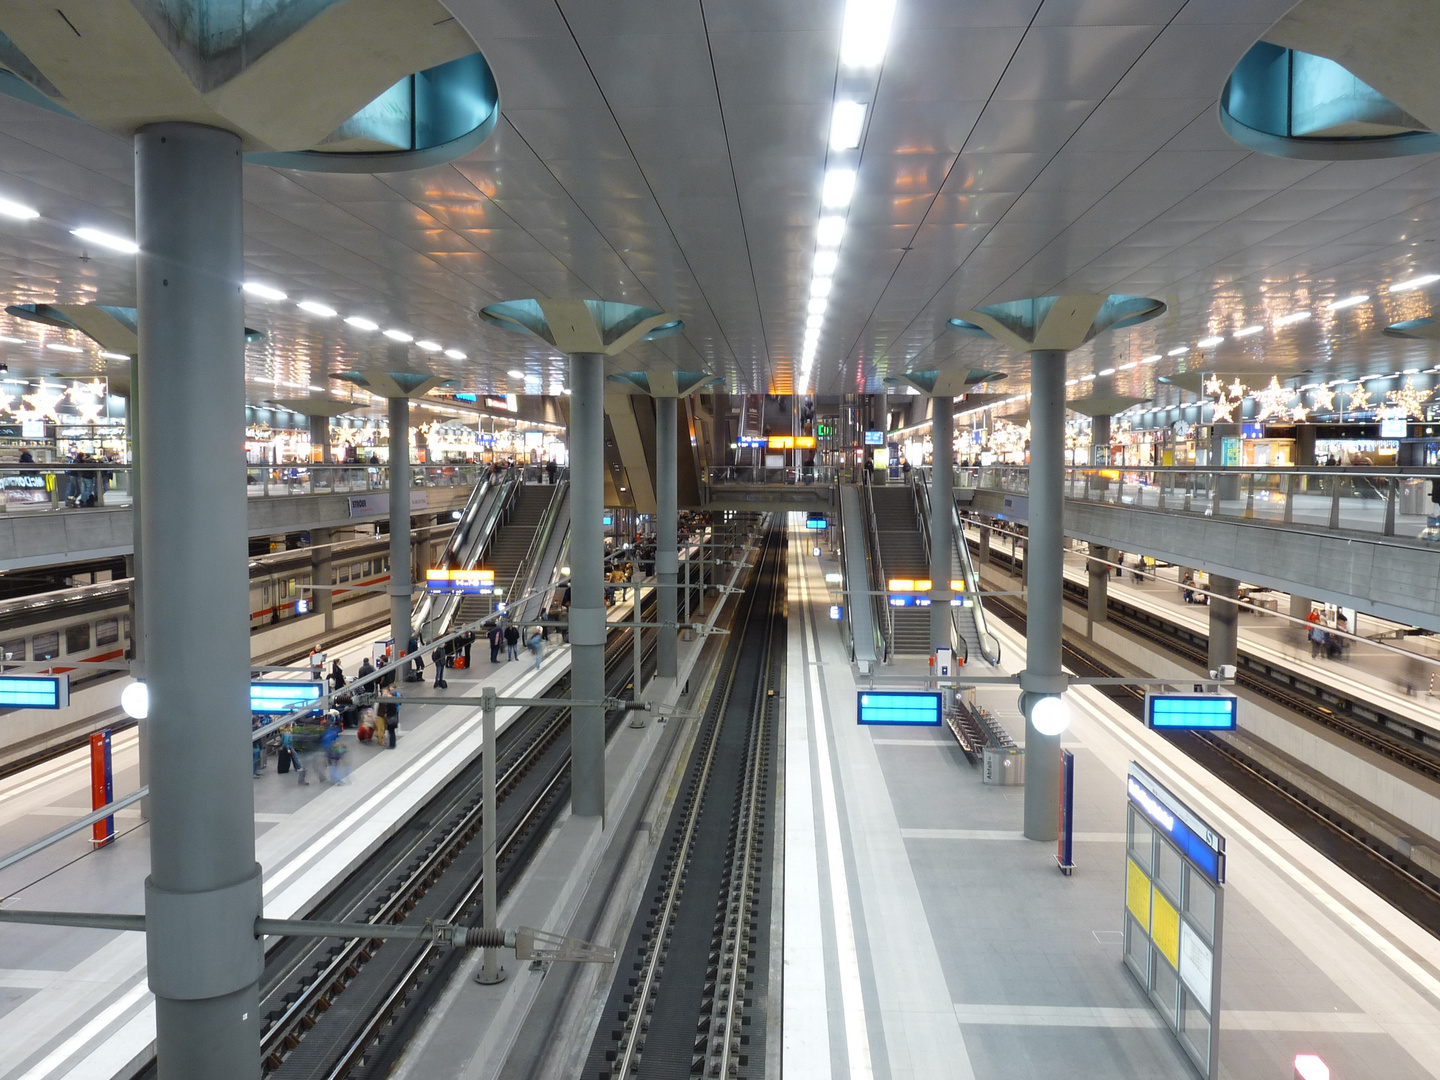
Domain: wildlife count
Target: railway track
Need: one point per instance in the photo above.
(691, 983)
(1388, 872)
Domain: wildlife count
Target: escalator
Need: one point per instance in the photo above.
(969, 622)
(535, 580)
(902, 552)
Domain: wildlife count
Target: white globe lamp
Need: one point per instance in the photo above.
(135, 700)
(1050, 715)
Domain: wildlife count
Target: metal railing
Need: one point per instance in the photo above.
(526, 581)
(879, 610)
(824, 476)
(1382, 502)
(920, 500)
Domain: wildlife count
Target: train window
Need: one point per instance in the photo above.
(13, 650)
(47, 646)
(290, 587)
(265, 593)
(344, 574)
(125, 625)
(107, 631)
(77, 638)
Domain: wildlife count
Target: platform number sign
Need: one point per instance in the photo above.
(1174, 914)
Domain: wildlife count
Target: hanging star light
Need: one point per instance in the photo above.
(1322, 399)
(1272, 401)
(1359, 398)
(1223, 410)
(5, 400)
(43, 401)
(1213, 385)
(1409, 398)
(1299, 413)
(1237, 389)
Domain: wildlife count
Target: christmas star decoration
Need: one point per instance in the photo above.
(1237, 389)
(1273, 400)
(1224, 410)
(1299, 413)
(1322, 399)
(1410, 399)
(1213, 385)
(1359, 398)
(43, 401)
(5, 400)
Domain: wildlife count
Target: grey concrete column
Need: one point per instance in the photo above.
(587, 582)
(1229, 483)
(320, 435)
(1097, 604)
(132, 569)
(942, 510)
(401, 574)
(984, 559)
(1300, 606)
(667, 559)
(1044, 572)
(1224, 621)
(203, 893)
(322, 575)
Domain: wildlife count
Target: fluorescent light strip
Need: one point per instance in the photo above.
(838, 189)
(1181, 351)
(865, 32)
(107, 240)
(830, 231)
(428, 346)
(60, 346)
(1105, 371)
(362, 323)
(1209, 342)
(847, 122)
(1151, 359)
(825, 263)
(1292, 318)
(314, 307)
(1414, 283)
(1247, 331)
(17, 210)
(1130, 366)
(1348, 302)
(399, 335)
(114, 355)
(265, 292)
(455, 354)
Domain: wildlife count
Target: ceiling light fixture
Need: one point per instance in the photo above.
(1181, 351)
(1083, 378)
(455, 354)
(1209, 342)
(865, 32)
(428, 346)
(1348, 302)
(314, 307)
(515, 374)
(830, 230)
(399, 335)
(838, 189)
(107, 240)
(821, 286)
(265, 292)
(1414, 283)
(1151, 359)
(1131, 365)
(818, 305)
(362, 323)
(1247, 331)
(1293, 317)
(847, 121)
(114, 355)
(825, 262)
(12, 340)
(17, 210)
(60, 346)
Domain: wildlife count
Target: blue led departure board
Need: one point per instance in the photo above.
(34, 691)
(283, 695)
(894, 708)
(1190, 712)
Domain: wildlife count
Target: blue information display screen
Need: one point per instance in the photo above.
(34, 691)
(1190, 712)
(874, 438)
(283, 695)
(816, 522)
(899, 708)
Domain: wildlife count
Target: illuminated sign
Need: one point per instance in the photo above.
(280, 696)
(833, 578)
(804, 442)
(836, 612)
(1190, 712)
(874, 438)
(1392, 427)
(1197, 841)
(508, 403)
(781, 442)
(608, 519)
(34, 691)
(477, 582)
(817, 521)
(824, 430)
(749, 440)
(907, 585)
(899, 708)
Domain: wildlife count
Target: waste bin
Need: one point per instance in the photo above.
(1004, 766)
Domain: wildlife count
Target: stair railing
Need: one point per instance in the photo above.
(524, 584)
(920, 499)
(879, 598)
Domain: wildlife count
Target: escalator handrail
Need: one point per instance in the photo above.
(524, 583)
(884, 617)
(467, 550)
(920, 493)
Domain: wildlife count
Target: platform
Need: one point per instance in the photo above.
(925, 937)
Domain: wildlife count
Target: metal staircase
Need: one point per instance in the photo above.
(507, 550)
(902, 552)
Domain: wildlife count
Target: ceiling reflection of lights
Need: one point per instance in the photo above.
(455, 354)
(362, 323)
(1247, 331)
(399, 335)
(122, 244)
(17, 210)
(838, 188)
(1209, 342)
(1181, 351)
(1414, 283)
(1348, 302)
(865, 32)
(265, 292)
(829, 231)
(314, 307)
(1292, 318)
(847, 121)
(825, 262)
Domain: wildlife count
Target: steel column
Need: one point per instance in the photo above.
(320, 436)
(1044, 568)
(490, 971)
(1098, 573)
(322, 574)
(587, 582)
(203, 893)
(667, 558)
(132, 564)
(942, 544)
(402, 575)
(1224, 621)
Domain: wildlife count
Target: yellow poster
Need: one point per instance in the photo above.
(1165, 928)
(1137, 894)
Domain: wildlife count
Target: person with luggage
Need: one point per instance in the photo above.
(335, 750)
(512, 642)
(337, 676)
(468, 640)
(441, 658)
(536, 645)
(496, 638)
(417, 662)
